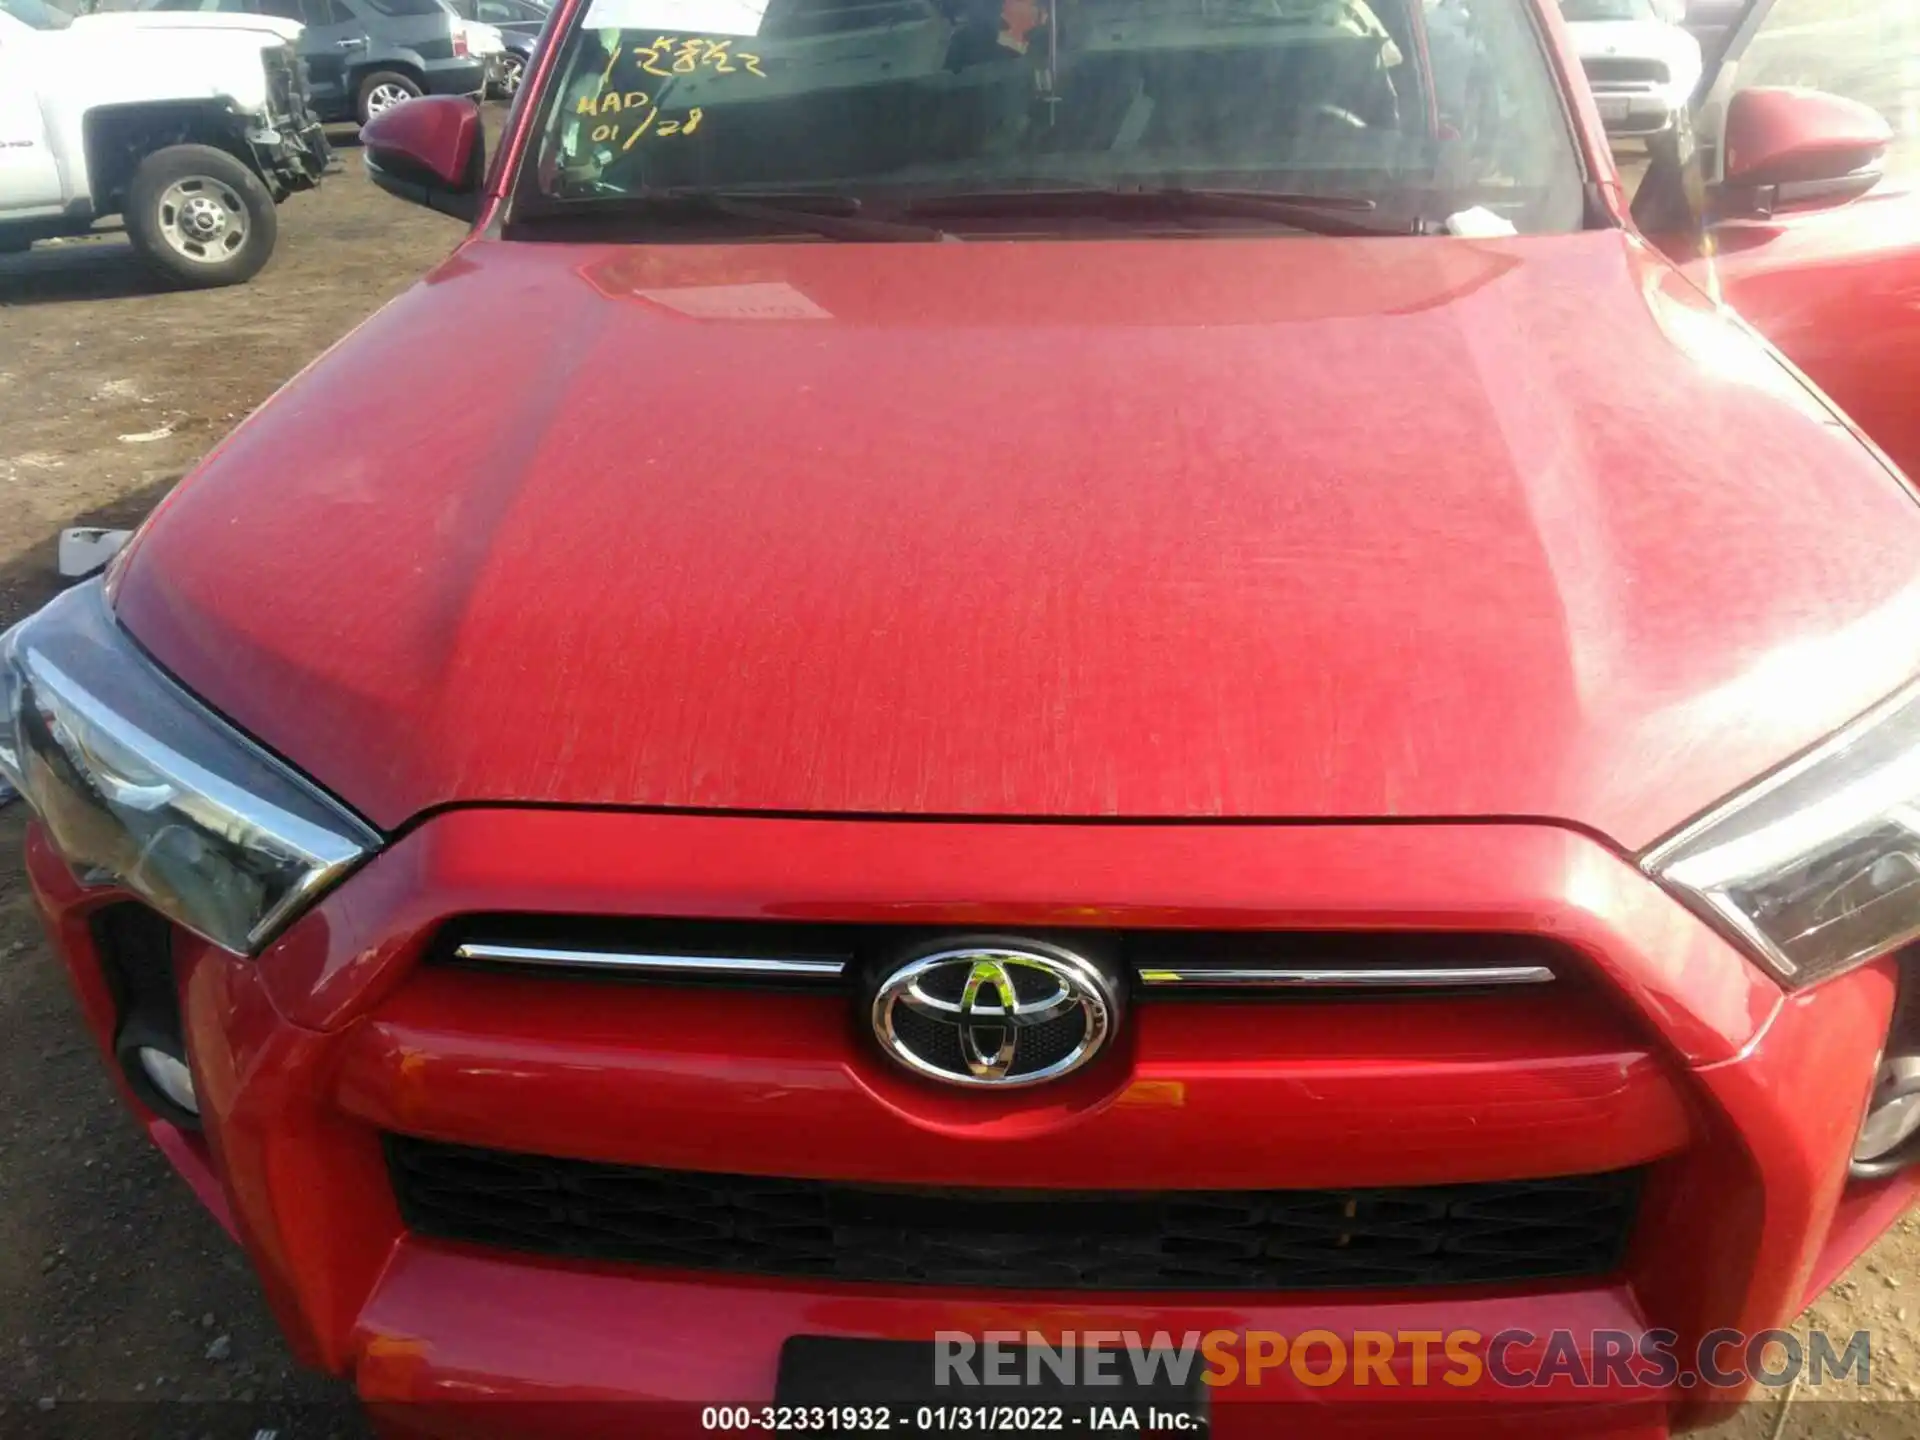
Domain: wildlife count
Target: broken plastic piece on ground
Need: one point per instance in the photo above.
(87, 549)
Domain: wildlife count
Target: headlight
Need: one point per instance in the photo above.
(1817, 867)
(140, 785)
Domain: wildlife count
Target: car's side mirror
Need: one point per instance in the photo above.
(431, 151)
(1790, 149)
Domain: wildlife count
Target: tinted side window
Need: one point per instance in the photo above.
(1865, 50)
(408, 7)
(325, 12)
(283, 9)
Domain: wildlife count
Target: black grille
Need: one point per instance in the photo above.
(1074, 1240)
(1624, 70)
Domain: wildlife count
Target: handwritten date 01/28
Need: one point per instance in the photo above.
(644, 117)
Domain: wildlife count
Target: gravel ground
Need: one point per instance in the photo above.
(123, 1309)
(116, 1290)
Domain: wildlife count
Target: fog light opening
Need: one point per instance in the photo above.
(1886, 1140)
(154, 1061)
(170, 1076)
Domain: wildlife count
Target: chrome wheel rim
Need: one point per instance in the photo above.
(203, 219)
(511, 69)
(385, 96)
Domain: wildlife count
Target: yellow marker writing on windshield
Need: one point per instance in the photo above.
(650, 56)
(640, 129)
(613, 102)
(671, 55)
(680, 127)
(686, 125)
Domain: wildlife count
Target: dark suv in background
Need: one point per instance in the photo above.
(361, 56)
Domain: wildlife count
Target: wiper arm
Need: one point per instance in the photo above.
(1316, 214)
(837, 217)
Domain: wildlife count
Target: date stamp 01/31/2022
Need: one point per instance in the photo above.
(958, 1419)
(1162, 1386)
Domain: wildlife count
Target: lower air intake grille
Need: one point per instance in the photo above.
(1618, 70)
(1072, 1240)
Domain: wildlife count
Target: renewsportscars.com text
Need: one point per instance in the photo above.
(1390, 1359)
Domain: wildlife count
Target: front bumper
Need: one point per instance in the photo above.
(1740, 1103)
(291, 155)
(290, 149)
(1633, 111)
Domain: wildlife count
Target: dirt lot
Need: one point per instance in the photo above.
(113, 1285)
(116, 1292)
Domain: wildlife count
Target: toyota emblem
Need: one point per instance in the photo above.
(995, 1013)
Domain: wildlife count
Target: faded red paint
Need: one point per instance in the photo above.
(1838, 291)
(1314, 529)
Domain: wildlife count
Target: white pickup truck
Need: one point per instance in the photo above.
(191, 127)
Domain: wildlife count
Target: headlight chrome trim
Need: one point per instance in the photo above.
(1859, 784)
(140, 784)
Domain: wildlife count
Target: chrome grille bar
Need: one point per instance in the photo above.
(1347, 977)
(665, 964)
(777, 967)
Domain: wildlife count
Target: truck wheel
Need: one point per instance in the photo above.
(200, 217)
(384, 89)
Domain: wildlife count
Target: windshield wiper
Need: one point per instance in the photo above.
(1316, 214)
(837, 217)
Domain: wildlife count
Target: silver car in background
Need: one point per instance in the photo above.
(1643, 66)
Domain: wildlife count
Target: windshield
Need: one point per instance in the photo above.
(1402, 107)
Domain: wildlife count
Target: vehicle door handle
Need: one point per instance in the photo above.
(351, 44)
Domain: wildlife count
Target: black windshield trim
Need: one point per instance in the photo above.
(828, 216)
(1337, 215)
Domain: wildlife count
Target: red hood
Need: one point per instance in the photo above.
(1271, 528)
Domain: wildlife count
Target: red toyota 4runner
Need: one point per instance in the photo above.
(1060, 670)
